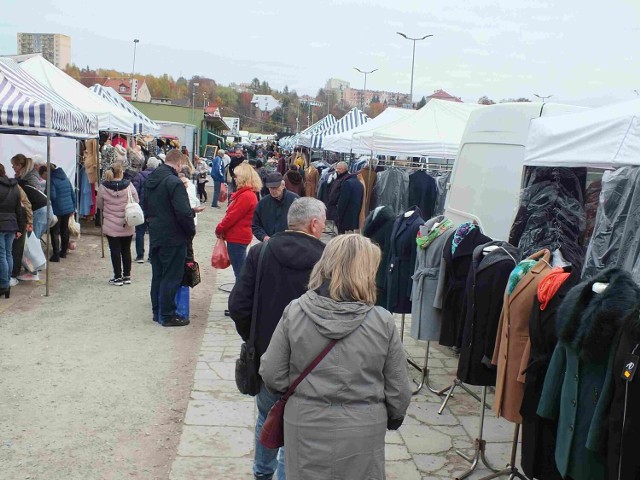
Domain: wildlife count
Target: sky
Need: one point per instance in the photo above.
(581, 52)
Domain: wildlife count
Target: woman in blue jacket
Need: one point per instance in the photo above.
(63, 202)
(217, 175)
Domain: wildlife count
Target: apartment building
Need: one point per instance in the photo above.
(55, 47)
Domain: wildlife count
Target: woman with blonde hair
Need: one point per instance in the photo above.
(335, 422)
(235, 227)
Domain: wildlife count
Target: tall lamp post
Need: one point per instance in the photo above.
(364, 93)
(193, 100)
(135, 44)
(542, 97)
(413, 59)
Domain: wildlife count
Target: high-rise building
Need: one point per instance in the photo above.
(55, 47)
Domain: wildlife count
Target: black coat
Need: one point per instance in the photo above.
(349, 204)
(378, 227)
(12, 218)
(270, 215)
(456, 270)
(486, 282)
(539, 434)
(423, 192)
(285, 274)
(334, 189)
(402, 261)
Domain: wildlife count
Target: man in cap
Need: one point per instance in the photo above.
(270, 216)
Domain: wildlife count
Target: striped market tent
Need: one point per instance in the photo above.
(304, 137)
(144, 125)
(354, 118)
(29, 108)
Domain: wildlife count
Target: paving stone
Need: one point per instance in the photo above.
(495, 429)
(424, 440)
(429, 463)
(225, 370)
(428, 414)
(220, 413)
(402, 470)
(392, 437)
(190, 468)
(393, 452)
(209, 356)
(208, 374)
(202, 365)
(225, 442)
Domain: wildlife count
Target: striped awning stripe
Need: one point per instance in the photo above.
(144, 126)
(354, 118)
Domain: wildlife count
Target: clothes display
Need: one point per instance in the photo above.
(392, 189)
(577, 385)
(370, 178)
(311, 179)
(426, 313)
(423, 192)
(349, 203)
(442, 182)
(378, 227)
(591, 202)
(486, 282)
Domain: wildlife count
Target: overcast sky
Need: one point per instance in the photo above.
(578, 51)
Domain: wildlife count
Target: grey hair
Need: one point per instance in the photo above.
(303, 210)
(342, 164)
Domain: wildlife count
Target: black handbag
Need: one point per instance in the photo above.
(247, 378)
(191, 276)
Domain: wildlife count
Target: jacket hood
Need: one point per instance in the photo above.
(8, 182)
(588, 321)
(58, 173)
(117, 185)
(296, 250)
(505, 251)
(31, 178)
(294, 177)
(377, 219)
(333, 319)
(160, 173)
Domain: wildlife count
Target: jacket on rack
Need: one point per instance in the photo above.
(349, 204)
(311, 179)
(392, 188)
(334, 190)
(370, 178)
(577, 384)
(456, 269)
(423, 191)
(363, 215)
(486, 283)
(91, 159)
(426, 312)
(402, 260)
(511, 352)
(378, 227)
(539, 434)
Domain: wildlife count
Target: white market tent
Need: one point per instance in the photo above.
(144, 125)
(606, 137)
(352, 119)
(304, 137)
(110, 117)
(347, 142)
(434, 130)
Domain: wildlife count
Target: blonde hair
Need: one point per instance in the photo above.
(24, 162)
(186, 163)
(348, 264)
(246, 176)
(116, 171)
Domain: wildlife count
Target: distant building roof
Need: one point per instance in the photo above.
(442, 95)
(123, 86)
(265, 103)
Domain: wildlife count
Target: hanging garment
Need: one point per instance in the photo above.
(455, 282)
(539, 434)
(615, 240)
(442, 181)
(378, 227)
(91, 159)
(311, 178)
(591, 201)
(392, 188)
(426, 312)
(576, 388)
(86, 193)
(423, 192)
(370, 178)
(402, 260)
(511, 352)
(349, 203)
(486, 283)
(363, 214)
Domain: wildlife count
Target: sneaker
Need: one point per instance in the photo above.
(29, 277)
(126, 280)
(139, 260)
(117, 282)
(13, 282)
(176, 322)
(54, 258)
(63, 254)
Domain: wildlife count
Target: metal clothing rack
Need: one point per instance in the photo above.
(511, 468)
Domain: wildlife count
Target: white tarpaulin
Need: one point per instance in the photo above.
(110, 117)
(435, 130)
(600, 138)
(346, 142)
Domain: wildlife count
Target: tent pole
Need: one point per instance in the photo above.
(48, 252)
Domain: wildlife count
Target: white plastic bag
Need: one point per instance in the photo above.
(33, 257)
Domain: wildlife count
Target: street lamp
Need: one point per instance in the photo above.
(364, 93)
(542, 97)
(413, 60)
(637, 93)
(193, 100)
(135, 44)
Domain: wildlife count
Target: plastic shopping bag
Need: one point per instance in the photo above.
(74, 227)
(224, 193)
(33, 257)
(182, 303)
(220, 257)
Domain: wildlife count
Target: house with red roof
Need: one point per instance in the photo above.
(130, 89)
(442, 95)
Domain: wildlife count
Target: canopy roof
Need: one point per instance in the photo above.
(434, 130)
(600, 138)
(304, 137)
(144, 125)
(352, 119)
(28, 107)
(110, 117)
(346, 142)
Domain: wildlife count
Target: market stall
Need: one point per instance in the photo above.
(352, 119)
(144, 125)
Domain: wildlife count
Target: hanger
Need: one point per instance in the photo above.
(408, 213)
(489, 249)
(599, 287)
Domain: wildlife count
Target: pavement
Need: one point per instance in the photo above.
(218, 434)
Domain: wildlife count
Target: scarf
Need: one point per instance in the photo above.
(461, 233)
(550, 285)
(518, 274)
(424, 242)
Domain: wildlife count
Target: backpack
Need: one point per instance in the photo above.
(133, 215)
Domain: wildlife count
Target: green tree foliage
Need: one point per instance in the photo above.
(422, 102)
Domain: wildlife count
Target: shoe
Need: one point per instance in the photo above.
(139, 260)
(13, 281)
(29, 277)
(176, 322)
(54, 258)
(63, 254)
(126, 280)
(6, 292)
(117, 282)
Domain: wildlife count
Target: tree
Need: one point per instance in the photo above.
(254, 86)
(485, 101)
(422, 102)
(375, 109)
(73, 71)
(265, 89)
(516, 100)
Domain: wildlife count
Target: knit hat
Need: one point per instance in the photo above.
(153, 162)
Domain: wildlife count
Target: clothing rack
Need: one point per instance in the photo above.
(511, 468)
(433, 168)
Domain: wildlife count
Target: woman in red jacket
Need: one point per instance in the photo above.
(235, 227)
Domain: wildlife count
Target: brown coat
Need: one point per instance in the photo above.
(311, 177)
(370, 177)
(511, 353)
(363, 215)
(91, 160)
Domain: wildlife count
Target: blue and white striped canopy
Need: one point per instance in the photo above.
(304, 137)
(354, 118)
(144, 126)
(27, 107)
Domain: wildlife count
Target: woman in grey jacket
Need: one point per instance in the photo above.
(335, 423)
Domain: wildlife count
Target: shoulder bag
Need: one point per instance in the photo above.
(272, 434)
(133, 215)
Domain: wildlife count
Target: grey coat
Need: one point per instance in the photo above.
(335, 423)
(428, 289)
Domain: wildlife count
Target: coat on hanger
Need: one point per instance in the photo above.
(423, 192)
(378, 227)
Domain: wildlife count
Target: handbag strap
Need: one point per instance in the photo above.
(254, 312)
(129, 194)
(308, 370)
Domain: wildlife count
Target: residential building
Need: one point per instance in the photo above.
(442, 95)
(353, 97)
(265, 103)
(55, 47)
(131, 90)
(336, 84)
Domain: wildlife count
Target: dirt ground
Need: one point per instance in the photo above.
(90, 386)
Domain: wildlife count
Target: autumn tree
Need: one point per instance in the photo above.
(422, 102)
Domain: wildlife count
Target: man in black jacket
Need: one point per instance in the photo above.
(270, 216)
(171, 227)
(287, 263)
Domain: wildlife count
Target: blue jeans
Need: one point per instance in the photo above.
(266, 459)
(40, 222)
(140, 231)
(216, 193)
(6, 257)
(237, 256)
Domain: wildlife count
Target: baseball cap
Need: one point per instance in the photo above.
(274, 180)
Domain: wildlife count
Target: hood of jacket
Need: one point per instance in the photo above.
(294, 177)
(296, 250)
(58, 174)
(376, 220)
(158, 176)
(333, 319)
(505, 251)
(31, 178)
(117, 185)
(8, 182)
(588, 321)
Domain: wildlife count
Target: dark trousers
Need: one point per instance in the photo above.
(167, 267)
(237, 256)
(120, 248)
(18, 250)
(60, 235)
(140, 232)
(202, 193)
(216, 193)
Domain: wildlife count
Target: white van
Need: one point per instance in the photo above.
(487, 175)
